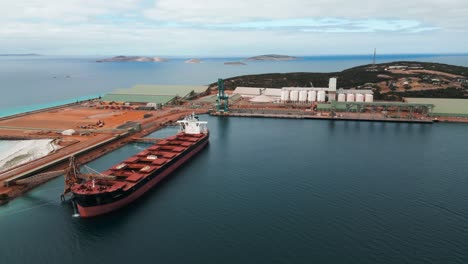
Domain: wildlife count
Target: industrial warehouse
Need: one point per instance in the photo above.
(332, 103)
(304, 95)
(154, 95)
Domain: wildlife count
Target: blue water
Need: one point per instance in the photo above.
(272, 191)
(27, 108)
(32, 82)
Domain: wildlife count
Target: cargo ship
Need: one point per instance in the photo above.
(130, 179)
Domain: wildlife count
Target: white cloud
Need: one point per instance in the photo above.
(63, 10)
(214, 27)
(448, 14)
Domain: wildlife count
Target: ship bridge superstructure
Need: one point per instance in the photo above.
(192, 126)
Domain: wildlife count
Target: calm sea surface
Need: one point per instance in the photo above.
(263, 191)
(272, 191)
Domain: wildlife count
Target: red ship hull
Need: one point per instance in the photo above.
(92, 211)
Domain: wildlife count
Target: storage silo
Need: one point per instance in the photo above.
(321, 96)
(303, 96)
(312, 96)
(341, 97)
(294, 96)
(332, 84)
(350, 97)
(284, 96)
(359, 98)
(369, 98)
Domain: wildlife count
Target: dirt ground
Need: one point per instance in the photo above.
(426, 72)
(74, 118)
(416, 85)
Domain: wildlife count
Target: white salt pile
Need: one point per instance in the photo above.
(17, 152)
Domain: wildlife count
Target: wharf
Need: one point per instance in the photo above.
(316, 117)
(146, 140)
(53, 159)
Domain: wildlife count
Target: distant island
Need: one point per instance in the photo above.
(133, 59)
(234, 63)
(389, 81)
(27, 54)
(193, 61)
(272, 57)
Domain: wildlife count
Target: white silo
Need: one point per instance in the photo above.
(332, 84)
(359, 98)
(350, 97)
(312, 96)
(369, 98)
(303, 96)
(321, 96)
(341, 97)
(294, 96)
(284, 96)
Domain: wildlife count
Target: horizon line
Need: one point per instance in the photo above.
(246, 56)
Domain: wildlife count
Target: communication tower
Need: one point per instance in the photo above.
(373, 60)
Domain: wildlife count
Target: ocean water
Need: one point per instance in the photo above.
(263, 191)
(271, 191)
(29, 83)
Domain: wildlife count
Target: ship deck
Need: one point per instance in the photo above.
(140, 166)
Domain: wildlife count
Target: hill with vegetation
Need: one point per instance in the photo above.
(389, 81)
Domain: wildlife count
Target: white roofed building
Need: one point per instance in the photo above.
(272, 92)
(248, 91)
(262, 99)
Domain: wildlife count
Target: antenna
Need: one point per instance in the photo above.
(373, 61)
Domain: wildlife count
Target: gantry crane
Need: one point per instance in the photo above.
(222, 103)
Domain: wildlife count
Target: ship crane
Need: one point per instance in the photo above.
(72, 176)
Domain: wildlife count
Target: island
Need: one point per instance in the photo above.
(272, 57)
(133, 59)
(193, 61)
(234, 63)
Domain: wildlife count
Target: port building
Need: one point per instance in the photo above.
(305, 95)
(355, 96)
(248, 92)
(211, 99)
(262, 99)
(154, 94)
(443, 107)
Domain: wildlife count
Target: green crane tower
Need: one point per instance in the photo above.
(222, 103)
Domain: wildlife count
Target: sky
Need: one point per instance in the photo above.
(232, 28)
